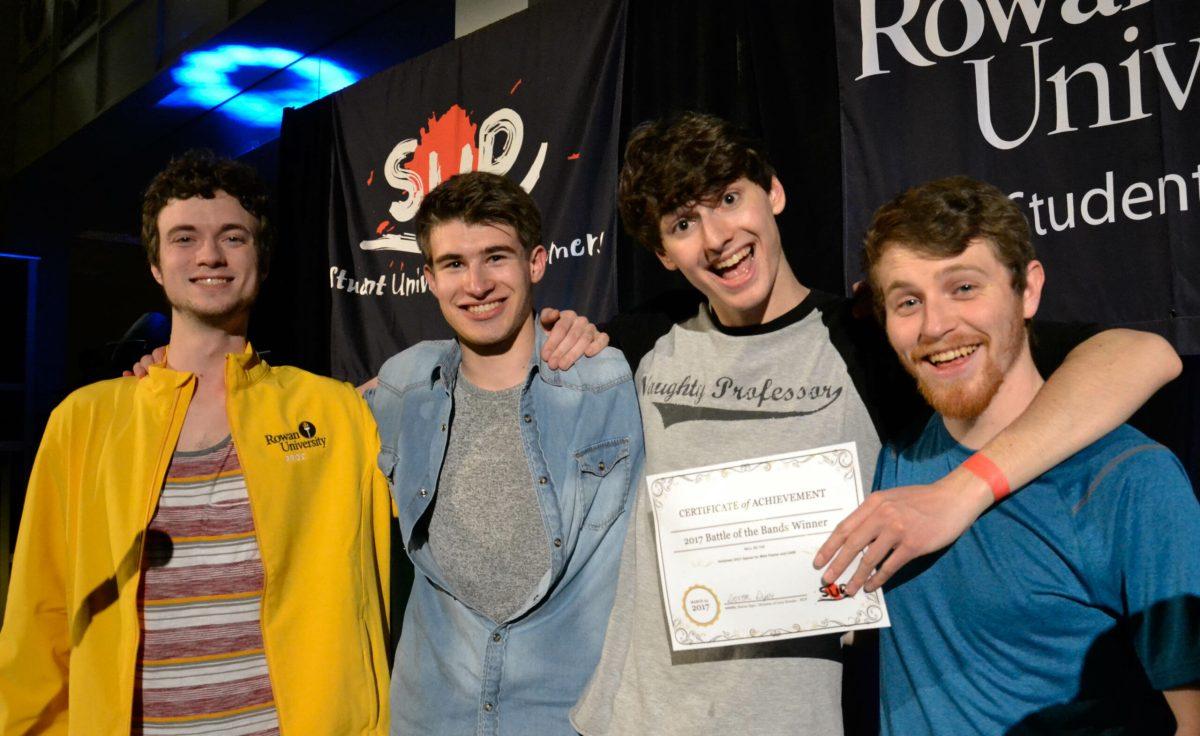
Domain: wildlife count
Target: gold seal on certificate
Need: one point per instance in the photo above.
(701, 605)
(736, 543)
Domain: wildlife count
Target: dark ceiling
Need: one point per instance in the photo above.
(90, 184)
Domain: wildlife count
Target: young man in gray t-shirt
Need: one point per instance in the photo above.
(766, 365)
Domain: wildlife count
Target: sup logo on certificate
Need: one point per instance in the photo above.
(701, 606)
(833, 592)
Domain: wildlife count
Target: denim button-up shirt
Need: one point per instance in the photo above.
(457, 671)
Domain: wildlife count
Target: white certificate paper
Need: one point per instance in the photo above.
(736, 543)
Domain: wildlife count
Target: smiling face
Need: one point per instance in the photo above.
(956, 323)
(207, 262)
(729, 248)
(483, 280)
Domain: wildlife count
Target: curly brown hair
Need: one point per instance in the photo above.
(202, 174)
(940, 218)
(480, 198)
(677, 161)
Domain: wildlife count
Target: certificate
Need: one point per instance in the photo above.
(736, 543)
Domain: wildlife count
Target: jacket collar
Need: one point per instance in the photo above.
(445, 370)
(241, 370)
(244, 368)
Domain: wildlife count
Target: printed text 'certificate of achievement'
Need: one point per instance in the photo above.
(736, 543)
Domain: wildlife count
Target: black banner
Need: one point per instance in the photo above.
(1083, 110)
(535, 97)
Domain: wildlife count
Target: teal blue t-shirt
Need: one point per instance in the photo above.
(1061, 610)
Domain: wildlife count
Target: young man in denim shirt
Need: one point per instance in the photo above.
(512, 481)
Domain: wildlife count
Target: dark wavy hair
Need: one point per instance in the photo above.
(681, 160)
(203, 174)
(480, 198)
(940, 218)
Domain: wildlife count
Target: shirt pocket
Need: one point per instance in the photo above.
(603, 481)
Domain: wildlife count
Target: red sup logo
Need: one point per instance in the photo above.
(833, 592)
(449, 144)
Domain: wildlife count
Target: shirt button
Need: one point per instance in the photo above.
(601, 467)
(487, 707)
(443, 427)
(424, 493)
(557, 542)
(527, 418)
(496, 637)
(542, 480)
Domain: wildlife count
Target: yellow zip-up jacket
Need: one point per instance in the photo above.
(322, 510)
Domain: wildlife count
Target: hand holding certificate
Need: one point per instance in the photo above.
(736, 543)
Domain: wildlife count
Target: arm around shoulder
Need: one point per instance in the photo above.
(1099, 385)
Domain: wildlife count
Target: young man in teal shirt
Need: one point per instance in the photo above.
(1063, 608)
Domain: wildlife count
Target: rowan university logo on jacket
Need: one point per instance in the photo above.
(304, 437)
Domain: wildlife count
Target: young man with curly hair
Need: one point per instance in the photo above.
(767, 365)
(204, 550)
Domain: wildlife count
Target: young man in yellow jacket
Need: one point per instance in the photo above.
(205, 550)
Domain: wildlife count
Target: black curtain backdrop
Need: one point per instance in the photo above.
(294, 308)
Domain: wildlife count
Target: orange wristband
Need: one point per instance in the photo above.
(986, 470)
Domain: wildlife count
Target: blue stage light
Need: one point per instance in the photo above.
(206, 79)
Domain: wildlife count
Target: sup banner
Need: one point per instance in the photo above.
(535, 97)
(1084, 111)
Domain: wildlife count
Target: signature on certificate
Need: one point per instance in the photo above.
(755, 597)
